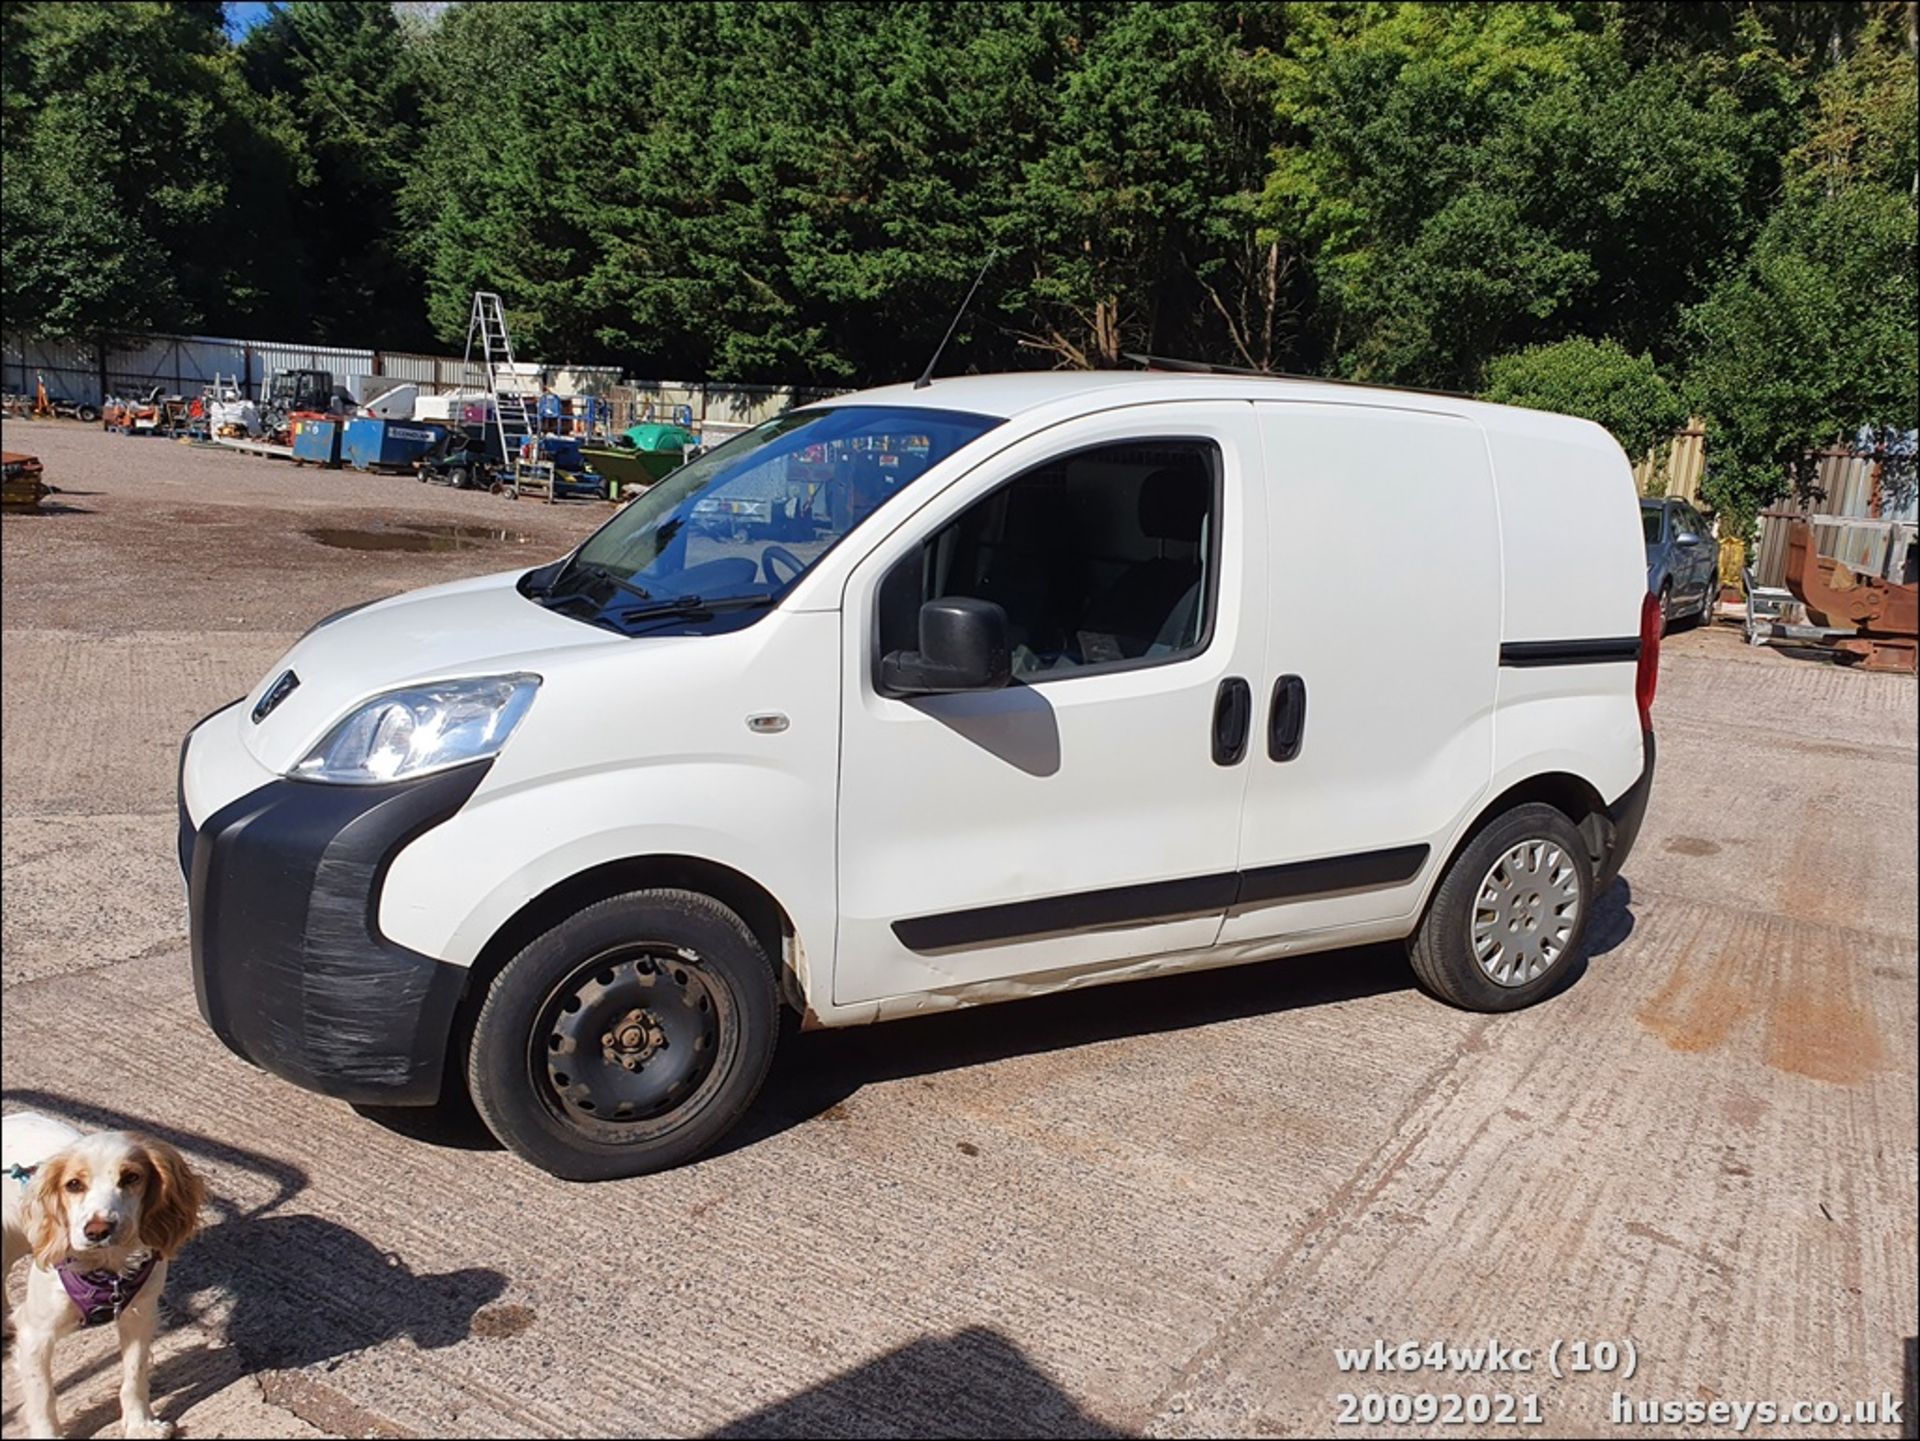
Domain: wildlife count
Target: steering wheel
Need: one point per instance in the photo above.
(779, 554)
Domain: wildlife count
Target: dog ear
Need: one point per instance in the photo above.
(170, 1211)
(43, 1215)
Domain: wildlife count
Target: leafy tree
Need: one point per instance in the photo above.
(1464, 180)
(1141, 181)
(143, 182)
(347, 74)
(1810, 341)
(790, 191)
(1596, 379)
(497, 195)
(1439, 194)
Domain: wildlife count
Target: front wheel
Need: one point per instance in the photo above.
(628, 1039)
(1666, 607)
(1509, 914)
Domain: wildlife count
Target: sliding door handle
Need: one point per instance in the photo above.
(1232, 719)
(1287, 719)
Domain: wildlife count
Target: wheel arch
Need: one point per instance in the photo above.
(764, 915)
(1573, 796)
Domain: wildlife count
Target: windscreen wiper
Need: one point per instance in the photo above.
(694, 605)
(595, 571)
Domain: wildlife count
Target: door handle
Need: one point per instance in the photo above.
(1232, 717)
(1287, 719)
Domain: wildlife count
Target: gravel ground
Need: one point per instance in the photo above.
(1150, 1210)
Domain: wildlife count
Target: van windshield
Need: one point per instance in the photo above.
(741, 523)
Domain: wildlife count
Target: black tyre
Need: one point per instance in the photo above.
(1510, 914)
(627, 1039)
(457, 477)
(1666, 607)
(88, 414)
(1710, 599)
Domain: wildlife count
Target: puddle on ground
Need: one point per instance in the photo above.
(421, 536)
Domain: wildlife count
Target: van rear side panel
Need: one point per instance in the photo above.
(1385, 608)
(1575, 571)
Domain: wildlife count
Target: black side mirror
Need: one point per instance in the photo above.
(963, 646)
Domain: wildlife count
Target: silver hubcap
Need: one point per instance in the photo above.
(1524, 912)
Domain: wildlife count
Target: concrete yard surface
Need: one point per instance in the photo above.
(1152, 1209)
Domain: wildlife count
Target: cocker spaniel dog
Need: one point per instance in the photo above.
(101, 1216)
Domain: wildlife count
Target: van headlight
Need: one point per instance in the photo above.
(411, 732)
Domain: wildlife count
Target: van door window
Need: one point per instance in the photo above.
(1101, 558)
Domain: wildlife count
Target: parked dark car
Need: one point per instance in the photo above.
(1683, 561)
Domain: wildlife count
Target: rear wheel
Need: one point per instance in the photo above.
(457, 477)
(1710, 599)
(1509, 913)
(627, 1039)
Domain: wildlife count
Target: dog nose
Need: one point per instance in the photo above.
(98, 1229)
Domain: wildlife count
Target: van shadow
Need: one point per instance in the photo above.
(813, 1071)
(973, 1383)
(1608, 928)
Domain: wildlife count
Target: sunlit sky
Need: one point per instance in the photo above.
(243, 17)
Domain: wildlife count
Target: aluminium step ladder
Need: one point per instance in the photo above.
(488, 326)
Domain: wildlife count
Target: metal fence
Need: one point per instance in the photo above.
(133, 365)
(1677, 470)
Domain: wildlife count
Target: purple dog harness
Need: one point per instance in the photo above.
(100, 1295)
(103, 1295)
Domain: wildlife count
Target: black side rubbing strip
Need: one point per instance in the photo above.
(1332, 875)
(1569, 652)
(1160, 900)
(1084, 910)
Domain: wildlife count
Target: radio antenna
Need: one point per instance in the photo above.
(926, 376)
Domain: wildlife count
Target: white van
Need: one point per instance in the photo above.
(926, 697)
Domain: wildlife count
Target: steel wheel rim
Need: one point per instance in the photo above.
(632, 1042)
(1524, 912)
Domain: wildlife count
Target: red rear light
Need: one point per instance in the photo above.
(1647, 677)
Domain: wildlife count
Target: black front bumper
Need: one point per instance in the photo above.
(289, 965)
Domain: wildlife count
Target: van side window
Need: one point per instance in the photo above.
(1099, 558)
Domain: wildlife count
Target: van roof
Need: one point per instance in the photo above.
(1007, 395)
